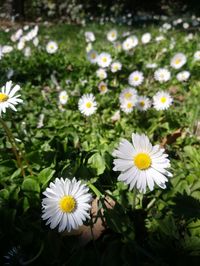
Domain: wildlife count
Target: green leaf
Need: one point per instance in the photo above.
(30, 185)
(97, 162)
(45, 175)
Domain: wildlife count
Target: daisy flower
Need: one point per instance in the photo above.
(116, 66)
(66, 204)
(128, 94)
(135, 78)
(63, 97)
(178, 60)
(197, 55)
(89, 36)
(92, 56)
(104, 60)
(103, 88)
(127, 106)
(141, 164)
(146, 38)
(51, 47)
(162, 75)
(183, 75)
(101, 73)
(143, 103)
(151, 65)
(87, 104)
(130, 43)
(112, 35)
(162, 100)
(8, 99)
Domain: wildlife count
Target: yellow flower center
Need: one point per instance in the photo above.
(142, 161)
(93, 55)
(177, 61)
(136, 78)
(163, 99)
(67, 204)
(113, 34)
(128, 95)
(104, 59)
(142, 103)
(3, 97)
(129, 105)
(88, 104)
(103, 87)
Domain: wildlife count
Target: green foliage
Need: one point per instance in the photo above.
(164, 227)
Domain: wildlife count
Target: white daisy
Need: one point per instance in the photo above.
(66, 204)
(104, 60)
(87, 104)
(103, 88)
(162, 100)
(89, 36)
(112, 35)
(130, 43)
(51, 47)
(6, 49)
(63, 97)
(135, 78)
(143, 103)
(128, 94)
(151, 65)
(146, 38)
(141, 164)
(101, 73)
(160, 38)
(162, 75)
(197, 55)
(8, 99)
(127, 106)
(116, 66)
(92, 56)
(178, 60)
(183, 75)
(27, 51)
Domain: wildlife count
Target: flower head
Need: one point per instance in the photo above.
(87, 104)
(128, 94)
(141, 164)
(51, 47)
(146, 38)
(112, 35)
(116, 66)
(66, 204)
(104, 60)
(183, 75)
(8, 99)
(101, 73)
(135, 78)
(162, 75)
(92, 56)
(143, 103)
(178, 60)
(162, 100)
(103, 87)
(63, 97)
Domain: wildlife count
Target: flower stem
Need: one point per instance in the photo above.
(134, 199)
(13, 144)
